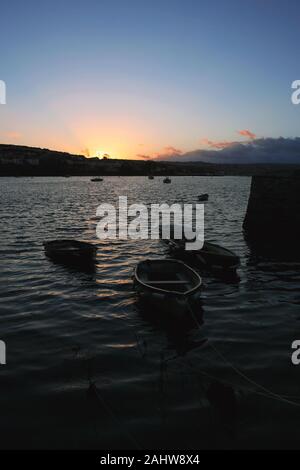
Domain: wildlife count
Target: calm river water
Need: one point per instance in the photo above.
(86, 368)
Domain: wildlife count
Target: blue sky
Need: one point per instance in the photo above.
(135, 78)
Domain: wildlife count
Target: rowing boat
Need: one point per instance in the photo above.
(167, 282)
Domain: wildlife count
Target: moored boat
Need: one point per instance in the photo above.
(70, 251)
(217, 257)
(168, 282)
(97, 179)
(211, 256)
(203, 197)
(167, 180)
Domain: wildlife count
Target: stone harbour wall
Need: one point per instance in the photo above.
(273, 208)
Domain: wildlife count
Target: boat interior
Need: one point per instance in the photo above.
(165, 276)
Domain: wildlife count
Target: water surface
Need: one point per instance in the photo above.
(87, 368)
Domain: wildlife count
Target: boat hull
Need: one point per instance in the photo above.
(167, 285)
(211, 256)
(168, 304)
(71, 252)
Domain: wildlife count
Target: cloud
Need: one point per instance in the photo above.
(172, 150)
(247, 133)
(217, 144)
(223, 144)
(165, 153)
(168, 152)
(263, 150)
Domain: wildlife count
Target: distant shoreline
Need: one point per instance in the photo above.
(31, 161)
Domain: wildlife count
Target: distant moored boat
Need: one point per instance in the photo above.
(167, 180)
(203, 197)
(97, 179)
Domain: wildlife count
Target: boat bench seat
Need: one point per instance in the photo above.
(151, 283)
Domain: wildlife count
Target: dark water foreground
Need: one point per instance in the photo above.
(88, 367)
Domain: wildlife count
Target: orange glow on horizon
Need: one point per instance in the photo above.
(93, 124)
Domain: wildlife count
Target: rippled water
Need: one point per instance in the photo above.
(157, 385)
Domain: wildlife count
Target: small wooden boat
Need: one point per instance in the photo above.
(167, 180)
(211, 256)
(168, 282)
(217, 257)
(70, 251)
(97, 179)
(203, 197)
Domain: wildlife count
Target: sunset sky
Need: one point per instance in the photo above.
(142, 78)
